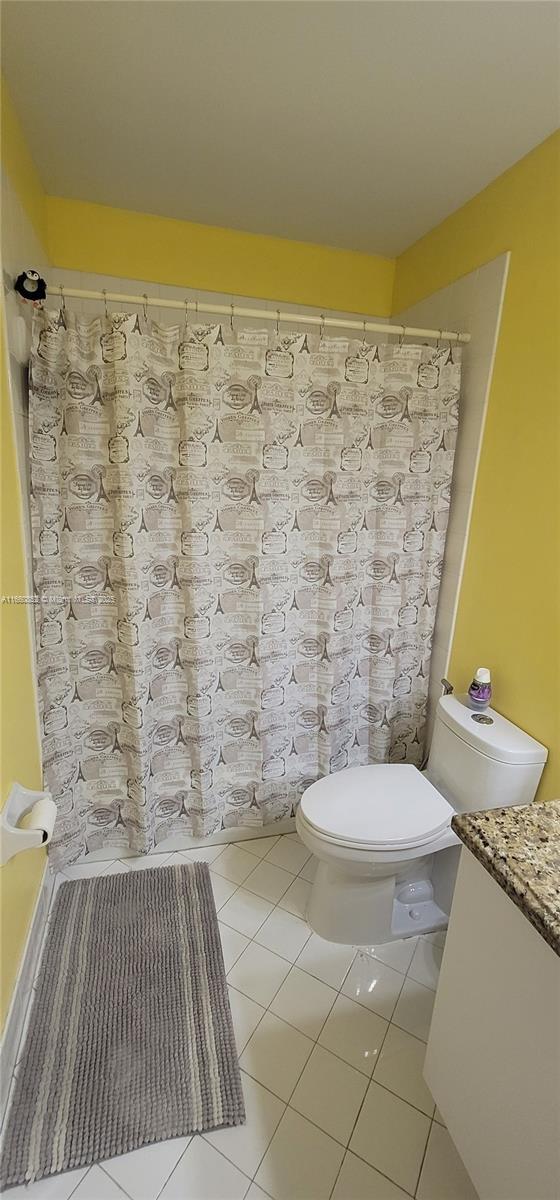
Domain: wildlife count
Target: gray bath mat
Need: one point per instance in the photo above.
(130, 1039)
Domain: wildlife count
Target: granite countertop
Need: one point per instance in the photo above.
(520, 848)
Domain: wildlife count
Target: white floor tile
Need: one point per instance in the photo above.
(395, 954)
(176, 859)
(357, 1181)
(246, 1144)
(326, 960)
(391, 1136)
(145, 862)
(301, 1162)
(438, 938)
(275, 1055)
(296, 899)
(283, 933)
(259, 846)
(281, 1063)
(400, 1067)
(269, 881)
(309, 871)
(86, 870)
(204, 1174)
(233, 944)
(413, 1011)
(245, 912)
(222, 889)
(373, 984)
(304, 1002)
(143, 1173)
(207, 854)
(426, 962)
(354, 1033)
(258, 973)
(58, 879)
(330, 1094)
(234, 864)
(443, 1174)
(55, 1187)
(290, 855)
(96, 1185)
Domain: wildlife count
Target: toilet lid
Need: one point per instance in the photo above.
(385, 806)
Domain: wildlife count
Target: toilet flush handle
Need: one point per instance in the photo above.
(447, 687)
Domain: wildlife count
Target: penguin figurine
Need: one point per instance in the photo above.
(30, 286)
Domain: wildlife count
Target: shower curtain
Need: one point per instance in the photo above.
(238, 544)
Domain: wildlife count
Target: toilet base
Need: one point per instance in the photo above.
(428, 918)
(368, 910)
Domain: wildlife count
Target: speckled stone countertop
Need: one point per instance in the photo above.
(520, 848)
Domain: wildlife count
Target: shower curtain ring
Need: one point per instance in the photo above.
(145, 305)
(322, 332)
(402, 335)
(232, 307)
(439, 338)
(364, 342)
(277, 320)
(62, 301)
(105, 302)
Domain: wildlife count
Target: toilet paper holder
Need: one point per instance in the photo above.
(14, 837)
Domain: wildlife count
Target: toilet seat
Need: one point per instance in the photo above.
(389, 806)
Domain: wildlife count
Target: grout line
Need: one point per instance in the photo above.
(376, 1169)
(74, 1190)
(339, 1170)
(421, 1168)
(180, 1158)
(202, 1134)
(121, 1189)
(265, 1152)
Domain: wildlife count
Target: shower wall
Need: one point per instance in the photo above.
(474, 303)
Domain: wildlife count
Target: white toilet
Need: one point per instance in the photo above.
(382, 833)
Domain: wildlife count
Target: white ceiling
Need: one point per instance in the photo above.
(355, 124)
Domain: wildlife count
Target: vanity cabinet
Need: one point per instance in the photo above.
(493, 1057)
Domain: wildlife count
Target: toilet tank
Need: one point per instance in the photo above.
(480, 760)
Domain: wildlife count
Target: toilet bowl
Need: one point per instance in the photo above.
(387, 856)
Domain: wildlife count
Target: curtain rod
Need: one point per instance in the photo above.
(259, 314)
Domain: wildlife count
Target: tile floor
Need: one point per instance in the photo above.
(331, 1044)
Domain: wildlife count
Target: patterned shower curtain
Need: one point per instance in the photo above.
(238, 544)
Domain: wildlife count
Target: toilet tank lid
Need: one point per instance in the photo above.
(496, 737)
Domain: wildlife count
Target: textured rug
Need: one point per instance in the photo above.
(130, 1039)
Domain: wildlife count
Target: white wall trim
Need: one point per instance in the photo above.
(475, 302)
(23, 994)
(499, 312)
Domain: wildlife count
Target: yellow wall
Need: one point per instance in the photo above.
(20, 879)
(112, 241)
(20, 757)
(509, 607)
(20, 166)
